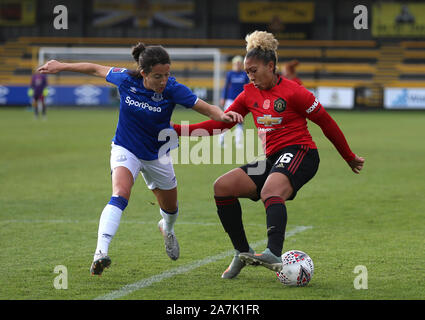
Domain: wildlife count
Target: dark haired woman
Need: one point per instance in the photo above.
(280, 108)
(148, 97)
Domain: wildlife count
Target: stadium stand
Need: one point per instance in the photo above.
(322, 62)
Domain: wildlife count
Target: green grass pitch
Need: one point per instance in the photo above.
(55, 181)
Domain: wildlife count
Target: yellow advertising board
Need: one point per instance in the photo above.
(17, 12)
(143, 13)
(398, 19)
(264, 12)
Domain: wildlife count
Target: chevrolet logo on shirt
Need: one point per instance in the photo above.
(268, 121)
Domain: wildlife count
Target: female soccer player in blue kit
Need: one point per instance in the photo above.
(235, 80)
(148, 97)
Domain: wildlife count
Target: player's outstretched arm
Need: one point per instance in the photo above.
(53, 66)
(215, 113)
(356, 164)
(212, 127)
(335, 135)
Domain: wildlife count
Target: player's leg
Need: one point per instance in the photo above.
(125, 167)
(167, 200)
(160, 178)
(227, 189)
(295, 166)
(227, 103)
(239, 135)
(221, 140)
(35, 106)
(39, 106)
(122, 180)
(275, 191)
(43, 106)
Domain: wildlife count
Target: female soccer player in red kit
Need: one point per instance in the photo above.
(290, 73)
(280, 108)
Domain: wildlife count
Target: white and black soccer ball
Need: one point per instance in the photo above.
(297, 269)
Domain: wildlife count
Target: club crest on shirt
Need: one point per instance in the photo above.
(279, 105)
(157, 97)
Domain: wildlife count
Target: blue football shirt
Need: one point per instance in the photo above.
(144, 113)
(235, 80)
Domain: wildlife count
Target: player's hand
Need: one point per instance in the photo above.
(356, 164)
(231, 116)
(51, 66)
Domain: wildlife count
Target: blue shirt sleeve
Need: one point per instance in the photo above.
(117, 75)
(183, 95)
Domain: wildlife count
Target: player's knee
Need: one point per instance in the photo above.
(267, 193)
(121, 190)
(122, 182)
(169, 206)
(222, 188)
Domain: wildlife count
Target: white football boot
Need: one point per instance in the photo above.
(235, 266)
(266, 259)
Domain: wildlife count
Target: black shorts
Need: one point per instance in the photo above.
(298, 162)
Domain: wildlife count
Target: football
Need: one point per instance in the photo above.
(297, 269)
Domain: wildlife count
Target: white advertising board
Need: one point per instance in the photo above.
(336, 97)
(404, 98)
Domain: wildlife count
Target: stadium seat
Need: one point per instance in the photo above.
(342, 63)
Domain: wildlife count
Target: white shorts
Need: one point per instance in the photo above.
(157, 174)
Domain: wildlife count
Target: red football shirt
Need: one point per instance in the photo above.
(297, 80)
(280, 115)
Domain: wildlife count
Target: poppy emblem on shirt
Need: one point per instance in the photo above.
(279, 105)
(266, 104)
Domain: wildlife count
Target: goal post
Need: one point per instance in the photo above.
(201, 69)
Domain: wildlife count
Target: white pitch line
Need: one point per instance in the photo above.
(183, 269)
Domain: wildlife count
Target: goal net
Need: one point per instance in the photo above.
(201, 69)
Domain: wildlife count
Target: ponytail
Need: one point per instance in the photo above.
(148, 56)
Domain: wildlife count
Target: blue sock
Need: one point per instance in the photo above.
(119, 202)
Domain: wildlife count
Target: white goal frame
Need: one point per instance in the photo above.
(215, 53)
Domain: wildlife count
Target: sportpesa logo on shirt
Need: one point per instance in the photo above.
(141, 104)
